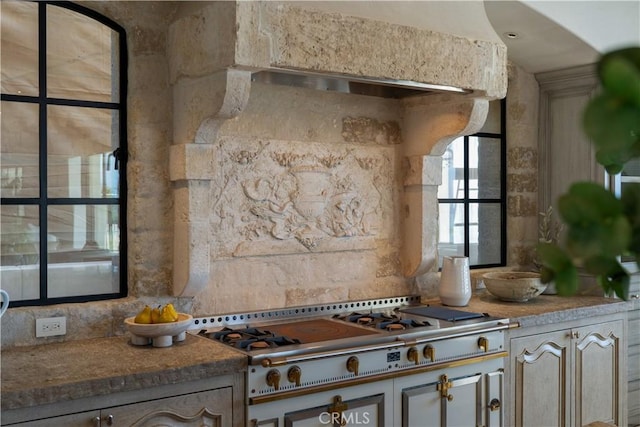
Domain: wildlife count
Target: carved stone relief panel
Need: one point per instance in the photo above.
(273, 197)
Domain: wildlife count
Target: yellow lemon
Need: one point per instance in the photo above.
(144, 316)
(155, 315)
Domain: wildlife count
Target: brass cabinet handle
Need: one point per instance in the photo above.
(337, 408)
(443, 387)
(494, 405)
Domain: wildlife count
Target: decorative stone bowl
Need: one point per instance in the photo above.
(159, 334)
(515, 286)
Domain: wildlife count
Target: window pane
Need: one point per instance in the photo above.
(81, 56)
(19, 150)
(492, 123)
(83, 250)
(484, 168)
(20, 244)
(451, 226)
(452, 186)
(484, 233)
(19, 21)
(632, 167)
(80, 144)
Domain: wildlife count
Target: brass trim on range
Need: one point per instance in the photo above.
(364, 380)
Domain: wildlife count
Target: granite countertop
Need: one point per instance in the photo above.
(544, 309)
(51, 373)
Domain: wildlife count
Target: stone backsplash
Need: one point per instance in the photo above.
(303, 202)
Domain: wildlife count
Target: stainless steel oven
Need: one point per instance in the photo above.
(381, 362)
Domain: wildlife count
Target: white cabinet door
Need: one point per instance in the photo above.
(540, 379)
(597, 354)
(449, 402)
(364, 411)
(570, 377)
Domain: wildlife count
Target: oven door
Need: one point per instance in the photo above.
(468, 395)
(363, 405)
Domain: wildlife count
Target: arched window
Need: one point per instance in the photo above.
(63, 154)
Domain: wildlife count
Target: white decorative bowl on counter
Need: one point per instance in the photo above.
(159, 334)
(514, 286)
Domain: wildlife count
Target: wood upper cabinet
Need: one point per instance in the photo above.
(565, 153)
(569, 377)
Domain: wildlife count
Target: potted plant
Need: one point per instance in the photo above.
(600, 226)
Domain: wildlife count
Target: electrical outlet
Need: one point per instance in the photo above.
(51, 326)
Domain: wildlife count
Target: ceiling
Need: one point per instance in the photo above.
(553, 35)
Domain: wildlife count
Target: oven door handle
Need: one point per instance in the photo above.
(453, 334)
(280, 361)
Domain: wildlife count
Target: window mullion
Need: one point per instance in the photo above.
(42, 158)
(467, 225)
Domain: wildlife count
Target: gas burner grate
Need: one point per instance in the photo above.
(251, 338)
(389, 322)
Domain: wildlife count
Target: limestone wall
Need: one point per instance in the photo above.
(522, 166)
(269, 246)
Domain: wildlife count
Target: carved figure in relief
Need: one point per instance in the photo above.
(307, 204)
(346, 217)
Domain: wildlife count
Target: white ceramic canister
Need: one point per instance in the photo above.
(455, 282)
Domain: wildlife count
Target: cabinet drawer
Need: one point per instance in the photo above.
(207, 408)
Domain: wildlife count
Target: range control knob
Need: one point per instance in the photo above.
(353, 365)
(412, 355)
(294, 374)
(273, 379)
(483, 344)
(429, 352)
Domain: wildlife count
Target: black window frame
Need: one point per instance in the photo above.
(120, 155)
(466, 201)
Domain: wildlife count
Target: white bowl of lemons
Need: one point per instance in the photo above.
(161, 326)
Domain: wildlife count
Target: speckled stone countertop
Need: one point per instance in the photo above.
(76, 369)
(544, 309)
(57, 372)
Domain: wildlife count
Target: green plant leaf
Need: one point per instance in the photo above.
(566, 281)
(587, 202)
(619, 72)
(611, 276)
(552, 256)
(557, 266)
(614, 126)
(611, 236)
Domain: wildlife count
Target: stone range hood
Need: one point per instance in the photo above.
(218, 48)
